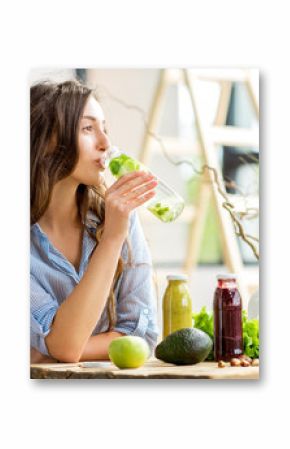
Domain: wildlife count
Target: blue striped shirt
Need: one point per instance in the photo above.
(53, 277)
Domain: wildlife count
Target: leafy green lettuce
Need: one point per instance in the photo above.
(204, 321)
(251, 336)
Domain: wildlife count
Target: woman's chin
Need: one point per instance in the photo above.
(97, 180)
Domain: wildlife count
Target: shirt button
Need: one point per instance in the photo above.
(145, 311)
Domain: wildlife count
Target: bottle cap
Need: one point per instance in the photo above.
(177, 277)
(226, 276)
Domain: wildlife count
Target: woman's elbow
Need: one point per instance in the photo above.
(38, 357)
(68, 358)
(62, 352)
(65, 356)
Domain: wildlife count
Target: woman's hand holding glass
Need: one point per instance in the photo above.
(130, 191)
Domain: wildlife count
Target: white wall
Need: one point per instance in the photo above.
(134, 87)
(53, 74)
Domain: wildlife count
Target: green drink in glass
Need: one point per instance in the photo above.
(166, 205)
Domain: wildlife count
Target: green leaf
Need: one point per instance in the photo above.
(114, 166)
(204, 321)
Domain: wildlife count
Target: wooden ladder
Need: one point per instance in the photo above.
(209, 137)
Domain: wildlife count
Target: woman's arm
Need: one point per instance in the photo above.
(77, 316)
(97, 347)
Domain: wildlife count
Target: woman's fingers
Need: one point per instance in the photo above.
(134, 183)
(130, 191)
(130, 179)
(117, 184)
(140, 190)
(141, 199)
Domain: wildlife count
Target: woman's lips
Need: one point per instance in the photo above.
(101, 164)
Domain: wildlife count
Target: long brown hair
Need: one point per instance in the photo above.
(55, 110)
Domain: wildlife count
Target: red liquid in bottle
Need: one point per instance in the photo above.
(228, 331)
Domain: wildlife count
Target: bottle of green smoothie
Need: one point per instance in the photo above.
(177, 305)
(166, 205)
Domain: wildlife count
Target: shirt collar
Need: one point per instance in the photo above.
(40, 238)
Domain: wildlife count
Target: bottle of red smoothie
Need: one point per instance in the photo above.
(227, 306)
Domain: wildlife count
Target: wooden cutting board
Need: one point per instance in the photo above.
(153, 369)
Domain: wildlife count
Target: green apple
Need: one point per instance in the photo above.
(129, 352)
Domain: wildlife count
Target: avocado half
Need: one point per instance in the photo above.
(184, 347)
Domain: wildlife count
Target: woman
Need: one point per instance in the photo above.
(89, 283)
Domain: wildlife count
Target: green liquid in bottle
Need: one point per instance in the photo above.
(166, 205)
(177, 305)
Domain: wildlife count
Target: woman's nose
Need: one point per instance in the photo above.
(104, 142)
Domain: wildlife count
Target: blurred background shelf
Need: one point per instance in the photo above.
(207, 137)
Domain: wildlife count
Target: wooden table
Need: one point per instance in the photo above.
(153, 369)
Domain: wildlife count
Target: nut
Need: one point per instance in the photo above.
(221, 364)
(245, 363)
(255, 362)
(245, 357)
(235, 362)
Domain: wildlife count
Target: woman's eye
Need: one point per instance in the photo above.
(90, 128)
